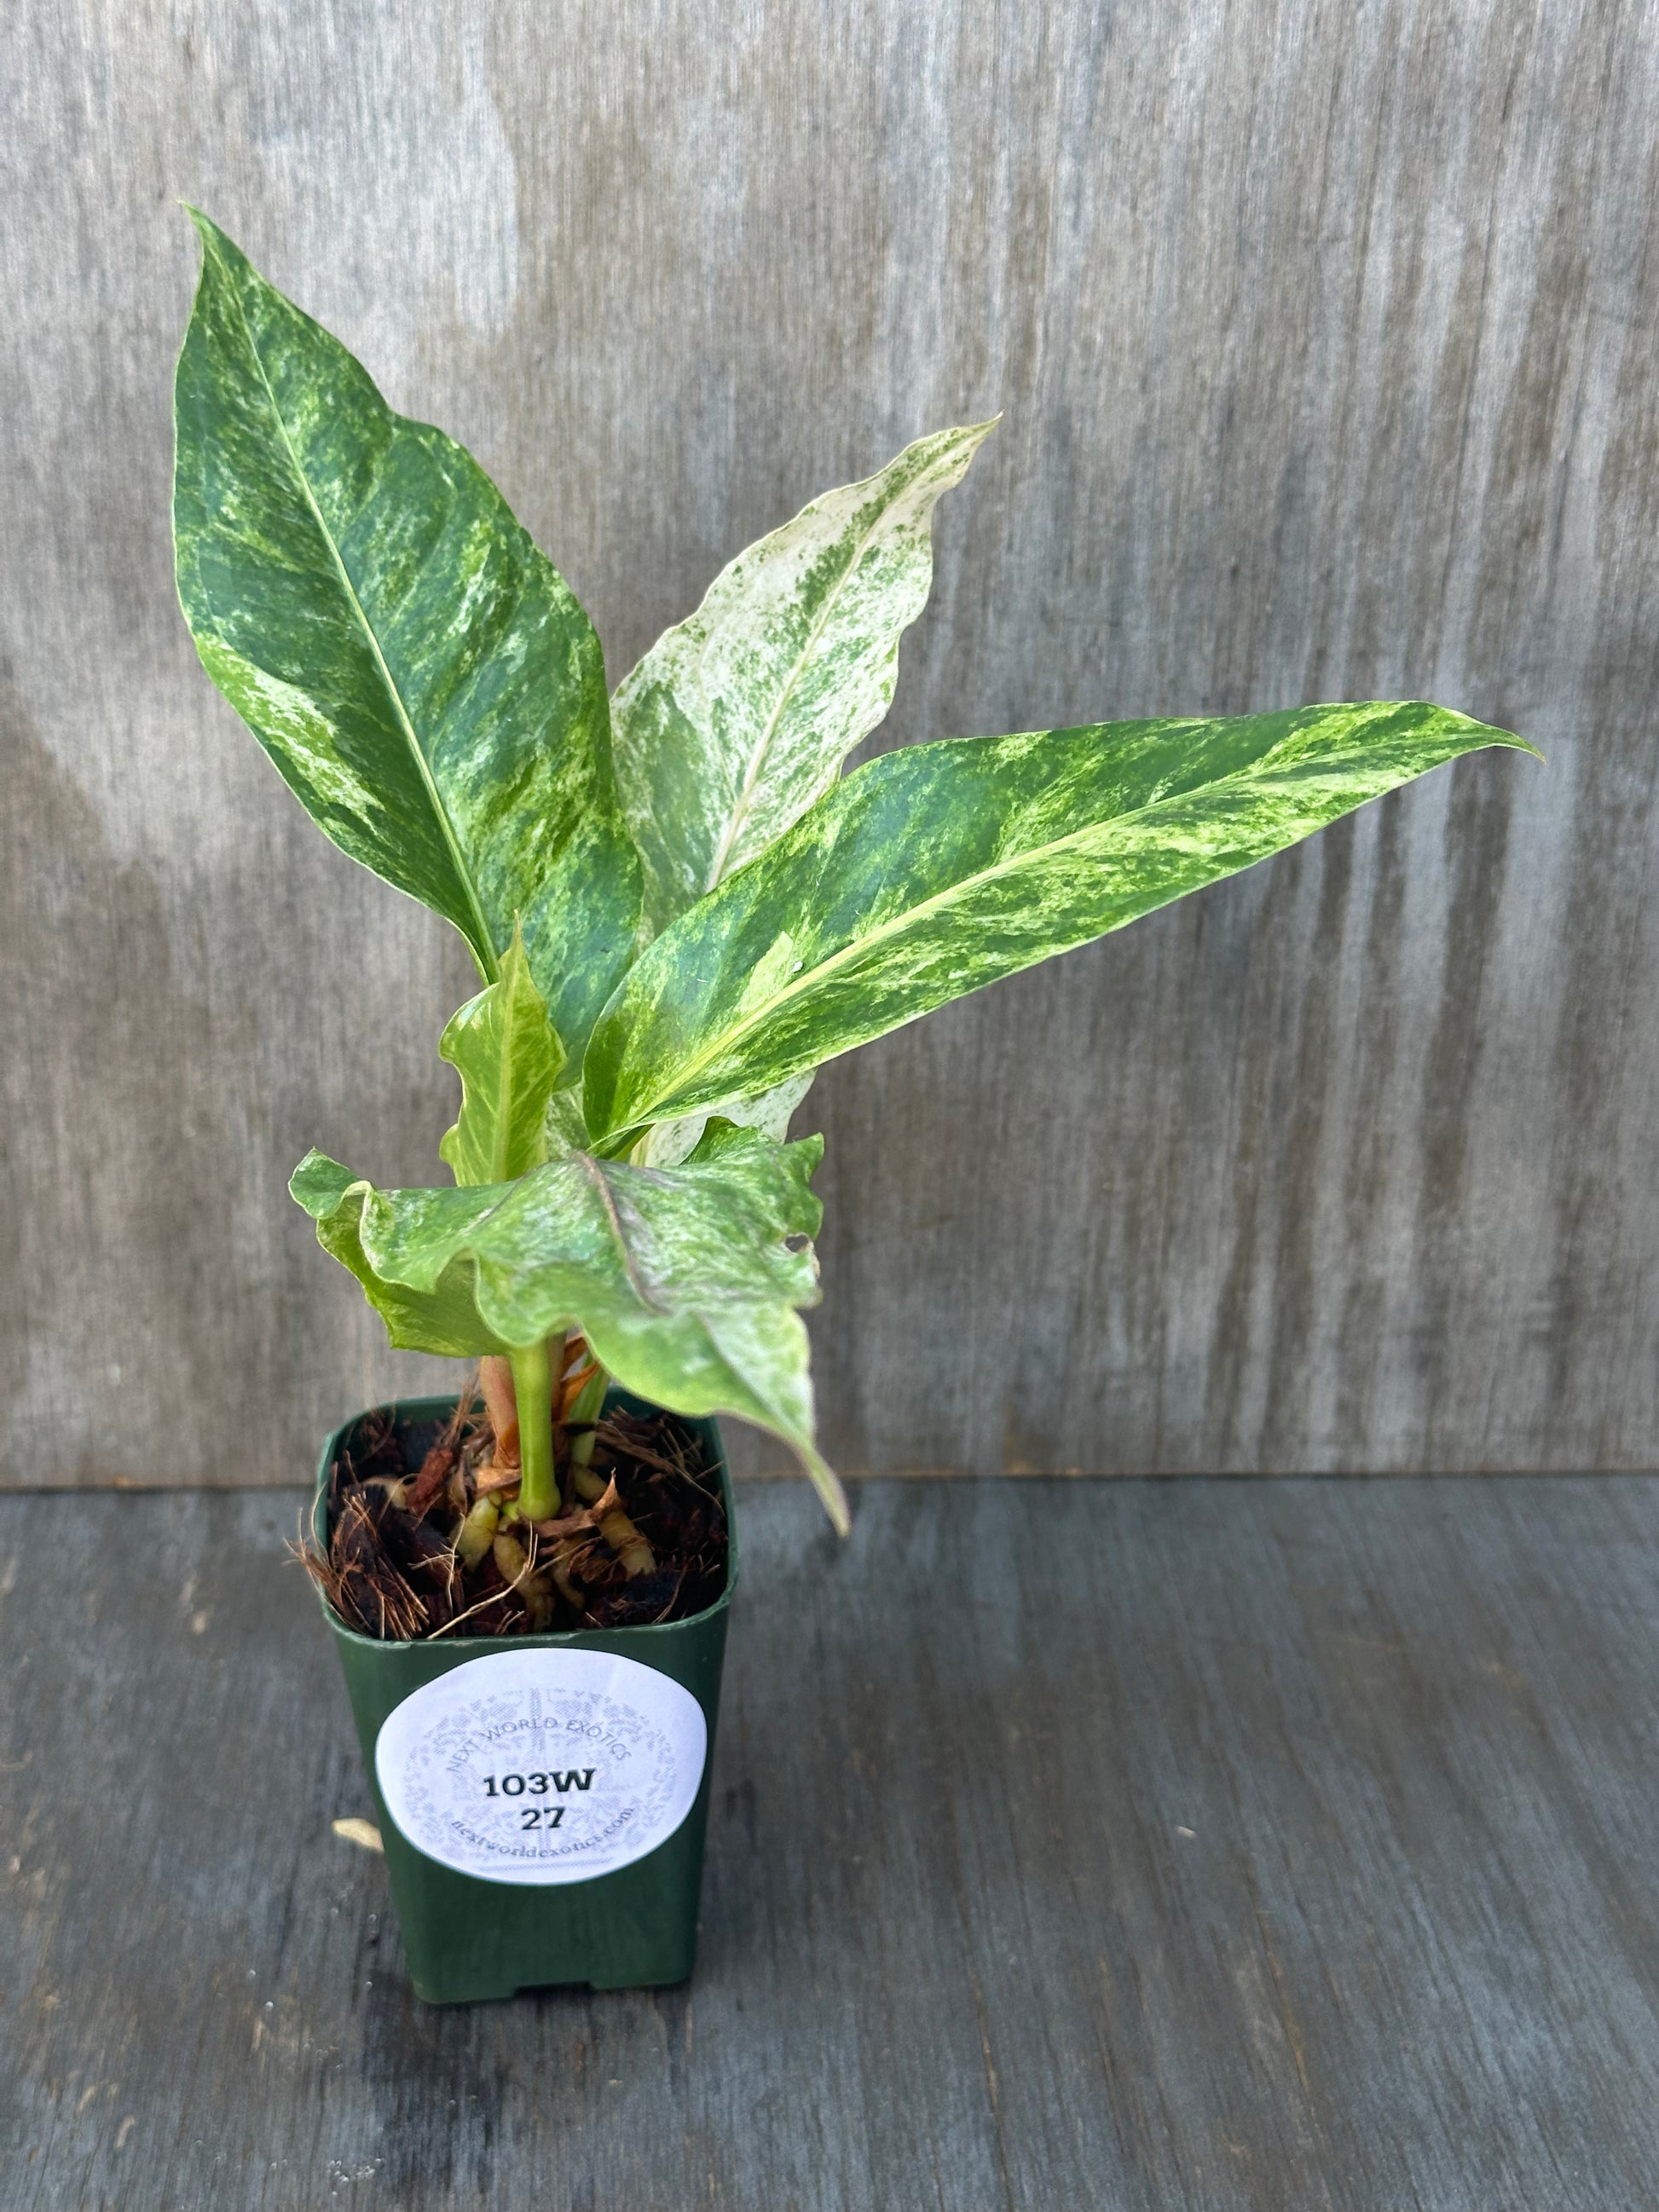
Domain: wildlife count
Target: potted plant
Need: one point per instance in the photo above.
(680, 906)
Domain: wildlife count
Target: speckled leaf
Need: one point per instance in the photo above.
(737, 719)
(937, 869)
(417, 670)
(443, 1317)
(508, 1058)
(684, 1281)
(565, 1131)
(666, 1143)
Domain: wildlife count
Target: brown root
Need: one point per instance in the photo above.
(495, 1380)
(624, 1539)
(433, 1479)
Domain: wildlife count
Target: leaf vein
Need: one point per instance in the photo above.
(590, 1168)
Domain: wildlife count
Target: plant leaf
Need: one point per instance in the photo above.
(668, 1143)
(739, 719)
(684, 1281)
(508, 1058)
(414, 667)
(565, 1132)
(442, 1318)
(934, 870)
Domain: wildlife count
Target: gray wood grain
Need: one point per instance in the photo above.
(1324, 341)
(1211, 1844)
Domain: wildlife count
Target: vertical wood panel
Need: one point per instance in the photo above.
(1324, 342)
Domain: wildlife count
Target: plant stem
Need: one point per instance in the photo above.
(532, 1386)
(590, 1403)
(586, 1488)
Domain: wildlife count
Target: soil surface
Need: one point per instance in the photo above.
(426, 1539)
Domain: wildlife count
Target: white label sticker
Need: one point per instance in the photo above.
(542, 1766)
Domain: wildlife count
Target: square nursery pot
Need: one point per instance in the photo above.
(542, 1799)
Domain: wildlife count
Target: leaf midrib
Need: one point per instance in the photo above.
(491, 970)
(847, 952)
(505, 1101)
(596, 1175)
(466, 1244)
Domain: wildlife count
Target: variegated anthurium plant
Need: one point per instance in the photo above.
(679, 905)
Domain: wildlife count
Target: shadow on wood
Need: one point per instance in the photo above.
(1276, 1845)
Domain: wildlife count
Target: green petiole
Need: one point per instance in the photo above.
(532, 1387)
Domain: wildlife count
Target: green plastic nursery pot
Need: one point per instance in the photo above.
(542, 1798)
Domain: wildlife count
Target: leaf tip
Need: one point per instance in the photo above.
(809, 1151)
(1493, 733)
(206, 229)
(830, 1490)
(318, 1184)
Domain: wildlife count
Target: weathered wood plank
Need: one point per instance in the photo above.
(1216, 1845)
(1325, 346)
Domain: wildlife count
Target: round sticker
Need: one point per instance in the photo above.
(542, 1766)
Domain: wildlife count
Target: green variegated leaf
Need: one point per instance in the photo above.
(737, 719)
(937, 869)
(416, 668)
(503, 1046)
(565, 1130)
(684, 1281)
(441, 1318)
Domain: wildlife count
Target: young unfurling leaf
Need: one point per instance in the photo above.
(509, 1057)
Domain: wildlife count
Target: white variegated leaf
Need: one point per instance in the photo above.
(667, 1143)
(739, 718)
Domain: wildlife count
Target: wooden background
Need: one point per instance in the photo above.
(1326, 342)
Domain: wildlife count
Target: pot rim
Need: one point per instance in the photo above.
(475, 1647)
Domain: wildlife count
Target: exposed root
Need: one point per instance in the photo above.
(424, 1541)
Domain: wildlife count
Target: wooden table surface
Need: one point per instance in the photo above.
(1195, 1843)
